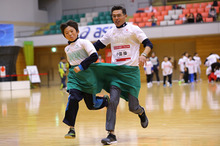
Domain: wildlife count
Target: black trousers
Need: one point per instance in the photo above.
(149, 78)
(73, 105)
(169, 79)
(156, 72)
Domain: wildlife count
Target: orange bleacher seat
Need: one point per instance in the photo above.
(195, 14)
(160, 18)
(203, 5)
(209, 20)
(150, 14)
(205, 14)
(181, 16)
(185, 11)
(196, 5)
(136, 15)
(167, 8)
(145, 19)
(142, 24)
(143, 15)
(149, 24)
(141, 9)
(131, 20)
(157, 14)
(135, 24)
(200, 10)
(217, 9)
(189, 6)
(138, 19)
(160, 8)
(179, 22)
(210, 3)
(164, 13)
(203, 19)
(192, 10)
(158, 23)
(218, 3)
(207, 9)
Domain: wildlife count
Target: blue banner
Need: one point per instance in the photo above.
(6, 35)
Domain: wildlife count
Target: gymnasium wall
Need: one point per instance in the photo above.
(24, 14)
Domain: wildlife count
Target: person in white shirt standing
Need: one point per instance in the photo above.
(198, 63)
(167, 71)
(156, 65)
(181, 67)
(148, 68)
(125, 42)
(191, 68)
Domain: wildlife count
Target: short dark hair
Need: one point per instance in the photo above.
(69, 23)
(119, 8)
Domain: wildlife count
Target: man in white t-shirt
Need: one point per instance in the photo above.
(125, 42)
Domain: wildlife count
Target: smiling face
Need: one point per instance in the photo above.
(70, 33)
(118, 17)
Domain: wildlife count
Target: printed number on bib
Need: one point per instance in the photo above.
(122, 53)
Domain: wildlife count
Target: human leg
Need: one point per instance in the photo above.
(95, 102)
(135, 107)
(111, 115)
(170, 79)
(72, 110)
(157, 74)
(164, 80)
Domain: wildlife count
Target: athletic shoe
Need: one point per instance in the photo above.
(107, 99)
(110, 139)
(71, 133)
(143, 118)
(164, 85)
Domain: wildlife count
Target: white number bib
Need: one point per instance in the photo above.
(121, 53)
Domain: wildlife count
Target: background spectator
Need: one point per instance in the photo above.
(199, 18)
(190, 18)
(155, 63)
(153, 20)
(212, 13)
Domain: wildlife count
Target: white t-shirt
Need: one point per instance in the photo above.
(191, 66)
(148, 67)
(217, 73)
(166, 67)
(186, 59)
(181, 64)
(198, 62)
(125, 44)
(212, 58)
(78, 51)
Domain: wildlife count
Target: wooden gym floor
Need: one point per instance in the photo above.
(186, 115)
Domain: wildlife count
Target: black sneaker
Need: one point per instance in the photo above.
(110, 139)
(144, 120)
(70, 134)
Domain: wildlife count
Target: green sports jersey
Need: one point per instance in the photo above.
(102, 75)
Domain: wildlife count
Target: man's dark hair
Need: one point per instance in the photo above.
(69, 23)
(119, 8)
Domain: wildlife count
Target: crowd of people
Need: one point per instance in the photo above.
(189, 67)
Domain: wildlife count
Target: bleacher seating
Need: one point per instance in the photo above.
(166, 15)
(83, 19)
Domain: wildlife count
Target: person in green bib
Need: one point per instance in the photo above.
(125, 39)
(81, 80)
